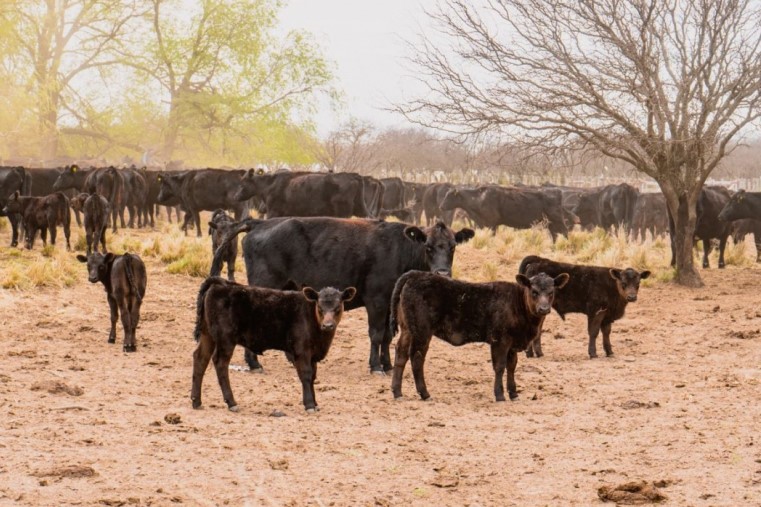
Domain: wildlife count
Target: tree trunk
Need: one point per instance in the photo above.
(682, 223)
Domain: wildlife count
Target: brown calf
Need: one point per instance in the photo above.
(96, 210)
(505, 315)
(598, 292)
(124, 279)
(42, 214)
(220, 226)
(301, 324)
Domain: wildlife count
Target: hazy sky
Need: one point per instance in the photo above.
(365, 40)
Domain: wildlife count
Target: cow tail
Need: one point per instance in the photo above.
(393, 322)
(244, 225)
(26, 185)
(131, 276)
(205, 286)
(530, 259)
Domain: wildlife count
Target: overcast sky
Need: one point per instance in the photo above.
(365, 40)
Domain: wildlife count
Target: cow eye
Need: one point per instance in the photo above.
(535, 293)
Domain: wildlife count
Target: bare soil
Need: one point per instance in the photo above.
(85, 424)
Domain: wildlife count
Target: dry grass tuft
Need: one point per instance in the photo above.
(29, 269)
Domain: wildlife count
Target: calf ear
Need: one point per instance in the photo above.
(561, 280)
(81, 258)
(415, 234)
(310, 294)
(464, 235)
(109, 258)
(212, 225)
(644, 274)
(615, 274)
(523, 280)
(348, 294)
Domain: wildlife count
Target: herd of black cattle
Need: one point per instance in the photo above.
(400, 272)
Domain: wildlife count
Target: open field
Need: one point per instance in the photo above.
(86, 424)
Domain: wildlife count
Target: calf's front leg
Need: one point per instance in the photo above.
(593, 326)
(114, 315)
(512, 362)
(306, 371)
(499, 362)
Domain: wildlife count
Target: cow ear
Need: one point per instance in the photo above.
(16, 195)
(464, 235)
(645, 274)
(310, 294)
(415, 234)
(212, 225)
(348, 294)
(109, 258)
(615, 274)
(561, 280)
(523, 280)
(81, 258)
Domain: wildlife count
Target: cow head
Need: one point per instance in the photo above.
(586, 210)
(65, 178)
(13, 205)
(452, 199)
(77, 202)
(627, 282)
(250, 184)
(328, 305)
(440, 242)
(98, 265)
(539, 291)
(169, 187)
(736, 208)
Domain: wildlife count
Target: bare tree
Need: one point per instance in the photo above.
(351, 148)
(664, 85)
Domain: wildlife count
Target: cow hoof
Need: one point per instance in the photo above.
(592, 356)
(112, 340)
(609, 354)
(513, 396)
(234, 408)
(499, 398)
(256, 370)
(398, 397)
(721, 265)
(380, 373)
(196, 404)
(425, 396)
(130, 348)
(313, 410)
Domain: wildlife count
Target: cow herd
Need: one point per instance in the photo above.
(309, 260)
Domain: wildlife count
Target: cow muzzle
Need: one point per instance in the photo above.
(328, 326)
(631, 298)
(543, 310)
(443, 272)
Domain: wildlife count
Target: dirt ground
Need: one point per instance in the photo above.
(85, 424)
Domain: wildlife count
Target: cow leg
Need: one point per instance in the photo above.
(722, 246)
(593, 326)
(122, 208)
(77, 218)
(706, 251)
(377, 319)
(314, 378)
(43, 235)
(535, 346)
(114, 315)
(67, 231)
(606, 338)
(127, 342)
(499, 362)
(418, 351)
(135, 320)
(14, 220)
(512, 362)
(253, 362)
(231, 270)
(197, 217)
(400, 361)
(53, 233)
(201, 357)
(221, 357)
(114, 213)
(306, 374)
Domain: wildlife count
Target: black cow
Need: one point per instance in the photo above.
(125, 279)
(220, 226)
(301, 324)
(329, 252)
(745, 226)
(650, 214)
(611, 206)
(306, 194)
(205, 189)
(96, 210)
(709, 225)
(109, 182)
(520, 208)
(393, 193)
(413, 194)
(374, 194)
(41, 214)
(600, 293)
(136, 194)
(742, 205)
(505, 315)
(12, 180)
(432, 199)
(43, 182)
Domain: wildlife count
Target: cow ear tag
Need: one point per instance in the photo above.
(74, 168)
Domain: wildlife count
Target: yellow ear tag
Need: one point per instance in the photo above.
(73, 168)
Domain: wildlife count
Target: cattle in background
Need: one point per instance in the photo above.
(203, 190)
(12, 180)
(136, 192)
(109, 182)
(41, 214)
(745, 226)
(432, 199)
(43, 184)
(413, 193)
(520, 208)
(569, 198)
(611, 206)
(393, 193)
(406, 214)
(600, 293)
(125, 279)
(302, 324)
(220, 226)
(374, 192)
(96, 210)
(306, 194)
(708, 225)
(505, 315)
(328, 252)
(742, 205)
(650, 215)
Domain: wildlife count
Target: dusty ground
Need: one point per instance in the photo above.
(85, 424)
